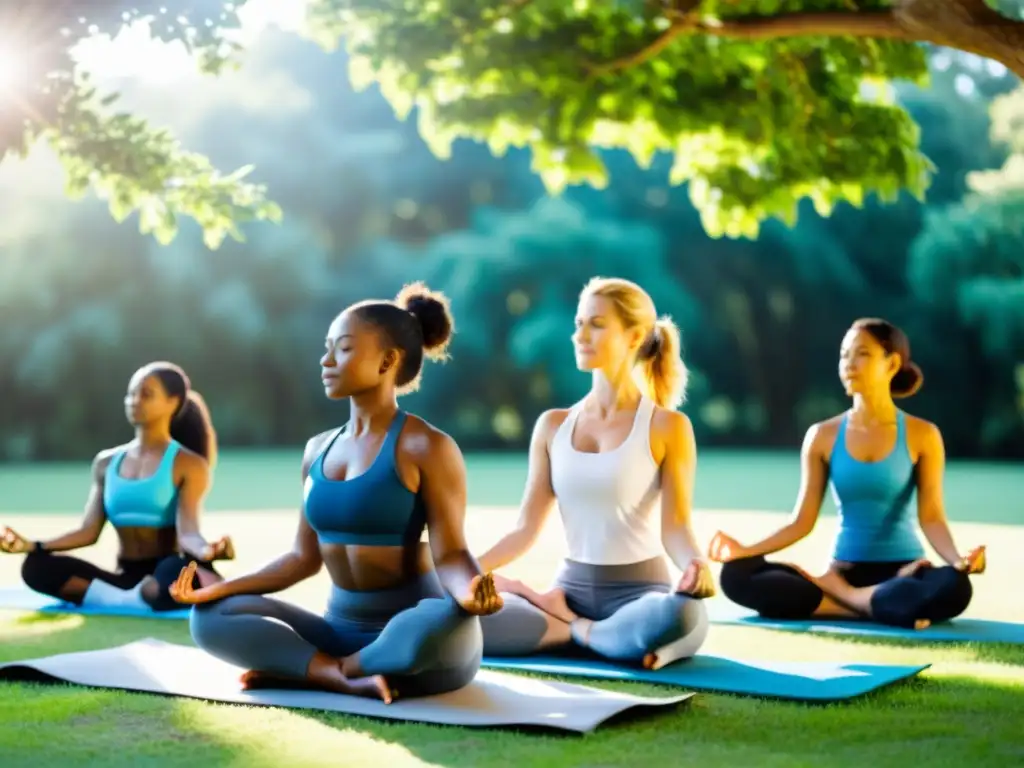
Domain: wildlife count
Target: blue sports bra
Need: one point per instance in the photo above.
(372, 509)
(873, 498)
(148, 502)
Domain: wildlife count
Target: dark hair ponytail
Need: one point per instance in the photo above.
(191, 424)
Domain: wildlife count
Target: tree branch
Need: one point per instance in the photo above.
(966, 25)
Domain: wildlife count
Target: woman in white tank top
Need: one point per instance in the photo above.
(620, 466)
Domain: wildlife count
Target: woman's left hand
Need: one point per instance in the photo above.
(481, 598)
(697, 581)
(222, 549)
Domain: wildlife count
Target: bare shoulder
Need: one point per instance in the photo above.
(921, 433)
(190, 461)
(548, 423)
(671, 424)
(102, 460)
(421, 440)
(821, 436)
(314, 446)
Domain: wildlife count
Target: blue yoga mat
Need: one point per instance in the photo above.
(956, 631)
(799, 681)
(23, 599)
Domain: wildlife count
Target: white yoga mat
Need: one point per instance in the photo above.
(493, 699)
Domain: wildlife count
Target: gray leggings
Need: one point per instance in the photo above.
(417, 636)
(632, 607)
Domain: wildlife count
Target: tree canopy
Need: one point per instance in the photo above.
(761, 103)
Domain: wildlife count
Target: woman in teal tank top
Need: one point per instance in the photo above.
(876, 459)
(150, 490)
(402, 616)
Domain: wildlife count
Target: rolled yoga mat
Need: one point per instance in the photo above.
(24, 599)
(796, 680)
(955, 631)
(493, 699)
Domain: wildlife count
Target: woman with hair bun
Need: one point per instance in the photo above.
(875, 457)
(402, 618)
(151, 491)
(619, 465)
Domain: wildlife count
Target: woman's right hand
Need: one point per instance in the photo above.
(182, 591)
(973, 562)
(13, 543)
(724, 548)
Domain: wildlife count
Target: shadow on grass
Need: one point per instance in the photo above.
(945, 719)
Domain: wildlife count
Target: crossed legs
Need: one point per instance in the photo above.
(631, 621)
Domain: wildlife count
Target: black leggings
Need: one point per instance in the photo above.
(48, 574)
(778, 591)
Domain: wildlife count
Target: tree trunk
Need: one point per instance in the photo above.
(966, 25)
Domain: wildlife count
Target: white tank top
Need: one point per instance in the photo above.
(609, 501)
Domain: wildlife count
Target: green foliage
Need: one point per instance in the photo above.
(1008, 130)
(368, 208)
(753, 126)
(969, 260)
(118, 156)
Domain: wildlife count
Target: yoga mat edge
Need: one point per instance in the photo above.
(961, 630)
(494, 699)
(24, 599)
(794, 681)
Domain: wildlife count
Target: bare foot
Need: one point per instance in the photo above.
(911, 568)
(505, 584)
(649, 661)
(553, 602)
(583, 627)
(831, 582)
(326, 672)
(922, 624)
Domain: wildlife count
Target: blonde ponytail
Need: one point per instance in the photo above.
(664, 375)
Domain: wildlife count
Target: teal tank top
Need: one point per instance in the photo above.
(373, 509)
(876, 523)
(149, 502)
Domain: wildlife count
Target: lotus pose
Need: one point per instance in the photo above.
(151, 491)
(402, 618)
(875, 456)
(620, 465)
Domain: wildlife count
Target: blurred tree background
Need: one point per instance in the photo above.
(367, 206)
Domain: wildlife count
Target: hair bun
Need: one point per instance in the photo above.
(432, 310)
(907, 381)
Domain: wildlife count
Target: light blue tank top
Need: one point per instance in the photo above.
(373, 509)
(149, 502)
(876, 523)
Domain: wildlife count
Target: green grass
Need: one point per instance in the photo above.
(964, 710)
(259, 480)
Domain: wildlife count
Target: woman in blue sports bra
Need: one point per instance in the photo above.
(402, 617)
(150, 490)
(875, 457)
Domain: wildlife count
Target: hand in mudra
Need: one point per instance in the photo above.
(183, 592)
(481, 598)
(13, 543)
(697, 581)
(221, 549)
(724, 548)
(973, 562)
